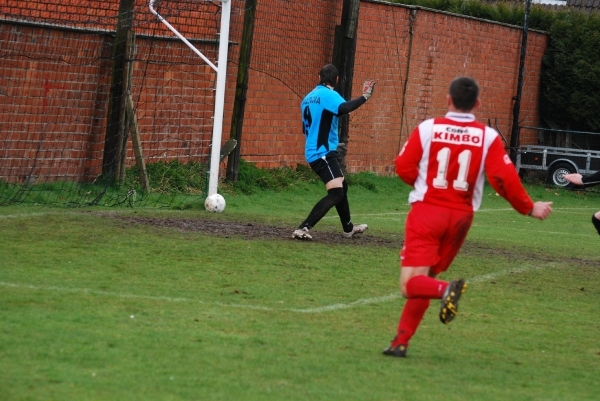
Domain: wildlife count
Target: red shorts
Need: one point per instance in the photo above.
(433, 236)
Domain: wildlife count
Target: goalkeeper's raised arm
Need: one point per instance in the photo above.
(351, 105)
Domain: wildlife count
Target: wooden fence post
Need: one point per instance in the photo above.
(241, 89)
(116, 111)
(344, 56)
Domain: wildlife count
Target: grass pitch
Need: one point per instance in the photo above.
(94, 306)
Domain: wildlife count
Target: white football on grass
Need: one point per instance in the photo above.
(215, 203)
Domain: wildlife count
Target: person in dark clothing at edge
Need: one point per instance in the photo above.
(587, 181)
(321, 109)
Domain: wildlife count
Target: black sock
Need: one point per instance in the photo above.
(343, 209)
(334, 196)
(596, 223)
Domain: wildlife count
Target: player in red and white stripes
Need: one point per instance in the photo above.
(445, 160)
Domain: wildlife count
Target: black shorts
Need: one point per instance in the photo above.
(328, 167)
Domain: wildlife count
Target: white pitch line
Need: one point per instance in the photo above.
(360, 302)
(393, 296)
(14, 216)
(39, 214)
(94, 292)
(319, 309)
(71, 213)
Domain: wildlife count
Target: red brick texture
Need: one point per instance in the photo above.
(443, 46)
(54, 83)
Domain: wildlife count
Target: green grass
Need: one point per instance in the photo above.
(93, 308)
(172, 185)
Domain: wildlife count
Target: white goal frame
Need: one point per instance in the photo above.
(221, 70)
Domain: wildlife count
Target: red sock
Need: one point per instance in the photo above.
(425, 287)
(412, 314)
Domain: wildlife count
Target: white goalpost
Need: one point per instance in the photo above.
(221, 70)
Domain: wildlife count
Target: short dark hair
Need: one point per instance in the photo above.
(464, 93)
(328, 75)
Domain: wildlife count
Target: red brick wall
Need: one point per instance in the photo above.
(188, 16)
(382, 54)
(41, 96)
(443, 46)
(53, 109)
(288, 51)
(55, 86)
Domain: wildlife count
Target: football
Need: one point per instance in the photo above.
(215, 203)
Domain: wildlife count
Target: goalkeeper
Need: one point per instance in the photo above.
(588, 181)
(321, 109)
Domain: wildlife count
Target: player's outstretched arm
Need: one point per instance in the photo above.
(541, 210)
(587, 181)
(574, 178)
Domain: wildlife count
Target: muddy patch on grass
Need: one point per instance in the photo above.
(258, 231)
(261, 231)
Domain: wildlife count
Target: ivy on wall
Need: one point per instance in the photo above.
(570, 90)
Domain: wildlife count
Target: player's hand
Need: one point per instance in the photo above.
(574, 178)
(368, 88)
(541, 210)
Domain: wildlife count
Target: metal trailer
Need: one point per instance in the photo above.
(558, 161)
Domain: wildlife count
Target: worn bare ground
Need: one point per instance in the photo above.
(260, 231)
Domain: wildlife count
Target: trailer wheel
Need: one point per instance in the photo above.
(556, 173)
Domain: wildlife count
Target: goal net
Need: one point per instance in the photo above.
(59, 84)
(78, 131)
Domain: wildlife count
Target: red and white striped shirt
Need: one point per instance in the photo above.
(445, 160)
